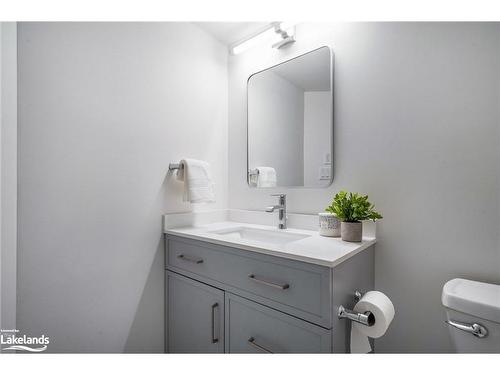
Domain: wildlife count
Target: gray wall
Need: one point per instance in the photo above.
(417, 128)
(8, 167)
(103, 109)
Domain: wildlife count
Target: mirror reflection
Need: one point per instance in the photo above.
(290, 123)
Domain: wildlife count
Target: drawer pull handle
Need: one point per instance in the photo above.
(268, 283)
(215, 333)
(190, 259)
(252, 342)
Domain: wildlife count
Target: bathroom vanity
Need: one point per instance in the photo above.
(245, 281)
(237, 287)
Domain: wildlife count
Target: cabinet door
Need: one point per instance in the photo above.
(254, 328)
(195, 316)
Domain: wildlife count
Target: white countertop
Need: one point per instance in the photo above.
(315, 249)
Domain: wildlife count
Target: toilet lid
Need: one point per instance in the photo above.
(473, 298)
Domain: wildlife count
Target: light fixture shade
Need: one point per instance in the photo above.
(260, 38)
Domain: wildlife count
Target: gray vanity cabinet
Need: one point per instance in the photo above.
(224, 299)
(296, 288)
(195, 316)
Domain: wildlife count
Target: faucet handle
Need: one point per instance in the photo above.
(278, 195)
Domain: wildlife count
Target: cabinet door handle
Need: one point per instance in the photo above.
(268, 282)
(215, 332)
(252, 342)
(190, 259)
(475, 328)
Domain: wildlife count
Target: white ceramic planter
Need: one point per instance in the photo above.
(351, 232)
(329, 225)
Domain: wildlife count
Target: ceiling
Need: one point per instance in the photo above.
(229, 33)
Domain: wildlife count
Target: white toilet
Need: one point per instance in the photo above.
(473, 315)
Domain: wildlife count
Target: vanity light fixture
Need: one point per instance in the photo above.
(286, 31)
(279, 33)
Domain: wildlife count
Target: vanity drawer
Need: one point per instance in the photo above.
(297, 288)
(254, 328)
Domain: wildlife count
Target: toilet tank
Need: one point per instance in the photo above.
(473, 315)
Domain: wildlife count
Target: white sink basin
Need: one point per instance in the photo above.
(260, 235)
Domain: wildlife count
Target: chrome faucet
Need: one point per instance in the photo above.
(281, 207)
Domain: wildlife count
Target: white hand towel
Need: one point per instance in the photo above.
(266, 177)
(198, 184)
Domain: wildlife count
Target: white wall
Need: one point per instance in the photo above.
(1, 180)
(103, 109)
(8, 168)
(317, 135)
(276, 131)
(417, 128)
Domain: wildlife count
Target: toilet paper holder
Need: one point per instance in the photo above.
(367, 318)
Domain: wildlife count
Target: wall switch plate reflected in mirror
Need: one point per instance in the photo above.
(324, 173)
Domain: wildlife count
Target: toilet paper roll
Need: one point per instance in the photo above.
(382, 308)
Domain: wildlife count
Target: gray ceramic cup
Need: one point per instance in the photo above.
(351, 232)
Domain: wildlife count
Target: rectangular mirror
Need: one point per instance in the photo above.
(290, 123)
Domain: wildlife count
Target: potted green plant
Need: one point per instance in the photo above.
(351, 209)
